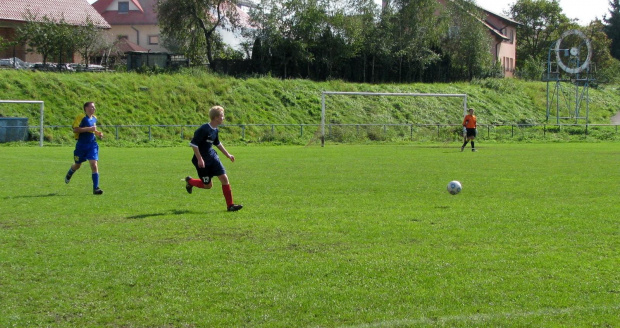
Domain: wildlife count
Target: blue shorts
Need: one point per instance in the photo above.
(213, 168)
(86, 153)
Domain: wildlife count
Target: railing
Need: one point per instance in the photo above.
(337, 132)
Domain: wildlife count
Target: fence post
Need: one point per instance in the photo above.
(411, 131)
(512, 131)
(150, 135)
(181, 132)
(438, 136)
(243, 132)
(301, 130)
(116, 132)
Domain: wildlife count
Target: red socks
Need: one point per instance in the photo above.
(227, 194)
(196, 183)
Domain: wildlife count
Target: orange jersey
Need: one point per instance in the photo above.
(469, 121)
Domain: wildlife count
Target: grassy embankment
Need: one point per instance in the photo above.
(183, 99)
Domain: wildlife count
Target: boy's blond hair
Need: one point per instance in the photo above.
(215, 112)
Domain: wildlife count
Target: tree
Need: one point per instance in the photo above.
(88, 38)
(605, 64)
(612, 27)
(543, 23)
(415, 37)
(193, 23)
(467, 41)
(40, 35)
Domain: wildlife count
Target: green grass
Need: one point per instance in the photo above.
(341, 236)
(184, 99)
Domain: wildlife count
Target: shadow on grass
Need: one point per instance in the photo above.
(150, 215)
(53, 194)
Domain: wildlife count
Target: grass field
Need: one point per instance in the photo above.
(341, 236)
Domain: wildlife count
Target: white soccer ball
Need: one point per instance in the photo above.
(454, 187)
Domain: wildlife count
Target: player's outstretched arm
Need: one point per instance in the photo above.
(226, 153)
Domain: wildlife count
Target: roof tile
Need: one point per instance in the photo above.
(74, 12)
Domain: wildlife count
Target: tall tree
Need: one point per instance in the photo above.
(542, 21)
(467, 41)
(40, 35)
(602, 60)
(612, 27)
(88, 38)
(193, 24)
(415, 37)
(542, 24)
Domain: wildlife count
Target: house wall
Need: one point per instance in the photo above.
(142, 35)
(505, 51)
(114, 5)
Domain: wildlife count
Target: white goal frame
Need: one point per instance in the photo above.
(327, 93)
(42, 109)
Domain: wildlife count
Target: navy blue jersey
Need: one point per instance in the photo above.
(204, 138)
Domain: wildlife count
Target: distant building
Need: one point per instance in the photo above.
(133, 20)
(136, 21)
(12, 15)
(503, 32)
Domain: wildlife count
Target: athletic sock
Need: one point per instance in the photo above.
(196, 183)
(472, 144)
(464, 144)
(227, 195)
(95, 180)
(70, 173)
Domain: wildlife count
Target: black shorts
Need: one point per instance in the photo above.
(471, 133)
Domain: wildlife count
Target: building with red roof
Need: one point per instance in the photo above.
(13, 14)
(132, 20)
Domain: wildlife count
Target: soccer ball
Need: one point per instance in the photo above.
(454, 187)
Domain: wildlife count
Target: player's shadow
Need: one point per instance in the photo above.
(35, 196)
(150, 215)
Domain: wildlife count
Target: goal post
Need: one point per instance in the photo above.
(41, 111)
(388, 94)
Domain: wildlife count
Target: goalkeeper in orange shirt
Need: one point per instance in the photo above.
(469, 125)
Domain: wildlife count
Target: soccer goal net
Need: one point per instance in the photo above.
(15, 109)
(380, 111)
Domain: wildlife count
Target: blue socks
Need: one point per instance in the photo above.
(95, 180)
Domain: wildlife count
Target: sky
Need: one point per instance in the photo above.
(585, 11)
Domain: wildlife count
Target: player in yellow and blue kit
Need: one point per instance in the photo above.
(86, 147)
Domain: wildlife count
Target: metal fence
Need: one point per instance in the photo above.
(340, 133)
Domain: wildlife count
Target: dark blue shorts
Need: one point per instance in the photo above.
(82, 154)
(213, 168)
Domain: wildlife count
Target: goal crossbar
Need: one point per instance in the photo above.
(352, 93)
(42, 108)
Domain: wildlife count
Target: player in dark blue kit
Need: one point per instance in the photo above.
(86, 147)
(207, 162)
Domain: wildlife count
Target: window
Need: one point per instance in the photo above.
(512, 36)
(123, 7)
(154, 39)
